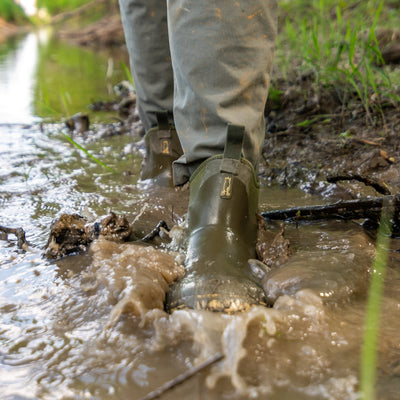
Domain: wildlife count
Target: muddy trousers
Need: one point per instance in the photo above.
(209, 62)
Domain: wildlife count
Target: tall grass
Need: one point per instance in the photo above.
(371, 328)
(337, 41)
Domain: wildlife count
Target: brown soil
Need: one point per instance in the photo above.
(7, 29)
(314, 133)
(106, 32)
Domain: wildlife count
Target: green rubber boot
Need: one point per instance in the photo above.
(222, 234)
(162, 149)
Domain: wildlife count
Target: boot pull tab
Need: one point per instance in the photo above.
(164, 132)
(231, 160)
(234, 142)
(163, 120)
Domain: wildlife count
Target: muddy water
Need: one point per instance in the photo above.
(92, 326)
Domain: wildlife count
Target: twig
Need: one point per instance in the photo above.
(183, 377)
(156, 231)
(380, 187)
(350, 209)
(19, 233)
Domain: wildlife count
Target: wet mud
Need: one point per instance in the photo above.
(314, 133)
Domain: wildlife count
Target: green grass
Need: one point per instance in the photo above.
(336, 40)
(371, 328)
(12, 12)
(57, 6)
(91, 156)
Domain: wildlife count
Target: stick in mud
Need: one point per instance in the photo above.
(350, 209)
(380, 187)
(183, 377)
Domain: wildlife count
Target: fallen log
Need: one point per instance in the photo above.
(367, 208)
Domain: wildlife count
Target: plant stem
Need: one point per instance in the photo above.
(369, 354)
(95, 159)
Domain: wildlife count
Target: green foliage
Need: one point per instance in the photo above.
(12, 12)
(127, 73)
(337, 41)
(58, 6)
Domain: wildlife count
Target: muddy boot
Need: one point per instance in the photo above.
(222, 234)
(162, 148)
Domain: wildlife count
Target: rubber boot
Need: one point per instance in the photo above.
(162, 149)
(222, 228)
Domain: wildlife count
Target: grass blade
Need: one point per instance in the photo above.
(92, 157)
(369, 352)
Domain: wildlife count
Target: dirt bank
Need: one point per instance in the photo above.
(7, 29)
(77, 26)
(313, 133)
(106, 32)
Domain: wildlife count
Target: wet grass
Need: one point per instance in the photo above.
(369, 355)
(338, 43)
(91, 156)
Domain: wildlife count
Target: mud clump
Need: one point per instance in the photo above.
(115, 228)
(72, 233)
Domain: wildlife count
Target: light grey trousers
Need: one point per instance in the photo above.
(209, 62)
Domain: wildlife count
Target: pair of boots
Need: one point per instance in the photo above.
(222, 224)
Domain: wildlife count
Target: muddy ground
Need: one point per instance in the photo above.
(313, 133)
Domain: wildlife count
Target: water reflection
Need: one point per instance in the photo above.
(17, 81)
(42, 77)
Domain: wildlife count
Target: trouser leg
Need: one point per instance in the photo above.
(146, 35)
(222, 53)
(222, 58)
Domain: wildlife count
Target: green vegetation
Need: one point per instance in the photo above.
(91, 156)
(12, 12)
(371, 331)
(58, 6)
(337, 42)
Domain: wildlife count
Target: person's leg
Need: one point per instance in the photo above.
(146, 36)
(222, 53)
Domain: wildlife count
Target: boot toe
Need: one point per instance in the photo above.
(222, 294)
